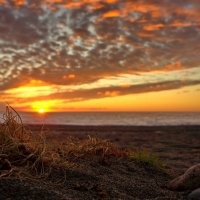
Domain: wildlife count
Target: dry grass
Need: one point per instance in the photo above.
(145, 157)
(27, 155)
(23, 154)
(20, 151)
(90, 147)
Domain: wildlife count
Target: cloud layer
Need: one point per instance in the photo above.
(65, 43)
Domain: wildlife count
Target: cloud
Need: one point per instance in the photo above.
(81, 95)
(80, 42)
(103, 92)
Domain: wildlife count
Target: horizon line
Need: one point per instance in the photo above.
(1, 111)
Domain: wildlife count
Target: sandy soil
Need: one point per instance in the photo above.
(94, 178)
(177, 146)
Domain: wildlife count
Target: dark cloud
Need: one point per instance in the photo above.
(81, 95)
(112, 91)
(75, 42)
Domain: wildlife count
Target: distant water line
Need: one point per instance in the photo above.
(112, 118)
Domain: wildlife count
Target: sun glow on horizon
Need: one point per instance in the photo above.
(41, 111)
(41, 106)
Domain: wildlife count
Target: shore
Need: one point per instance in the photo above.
(95, 169)
(177, 146)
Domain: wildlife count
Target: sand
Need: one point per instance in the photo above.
(178, 148)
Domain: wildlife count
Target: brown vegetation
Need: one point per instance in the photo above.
(93, 168)
(24, 153)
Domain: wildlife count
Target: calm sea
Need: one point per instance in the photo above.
(112, 118)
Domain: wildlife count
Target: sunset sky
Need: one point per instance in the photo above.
(100, 55)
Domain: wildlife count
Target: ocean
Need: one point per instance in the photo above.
(112, 118)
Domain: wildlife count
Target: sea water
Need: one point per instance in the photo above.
(112, 118)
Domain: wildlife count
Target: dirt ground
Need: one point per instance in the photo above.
(177, 146)
(90, 178)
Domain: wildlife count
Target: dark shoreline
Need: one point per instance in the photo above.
(177, 146)
(115, 127)
(89, 174)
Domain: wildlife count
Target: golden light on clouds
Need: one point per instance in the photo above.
(70, 76)
(178, 100)
(58, 55)
(30, 91)
(113, 13)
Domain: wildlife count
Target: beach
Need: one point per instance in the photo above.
(99, 100)
(92, 168)
(177, 146)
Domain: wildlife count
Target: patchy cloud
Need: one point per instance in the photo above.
(69, 43)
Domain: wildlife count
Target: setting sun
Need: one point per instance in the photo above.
(41, 110)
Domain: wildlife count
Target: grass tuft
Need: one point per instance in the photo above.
(21, 152)
(145, 157)
(27, 155)
(90, 147)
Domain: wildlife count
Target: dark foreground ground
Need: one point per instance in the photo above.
(178, 148)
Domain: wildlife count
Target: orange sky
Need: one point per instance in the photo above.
(181, 99)
(95, 55)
